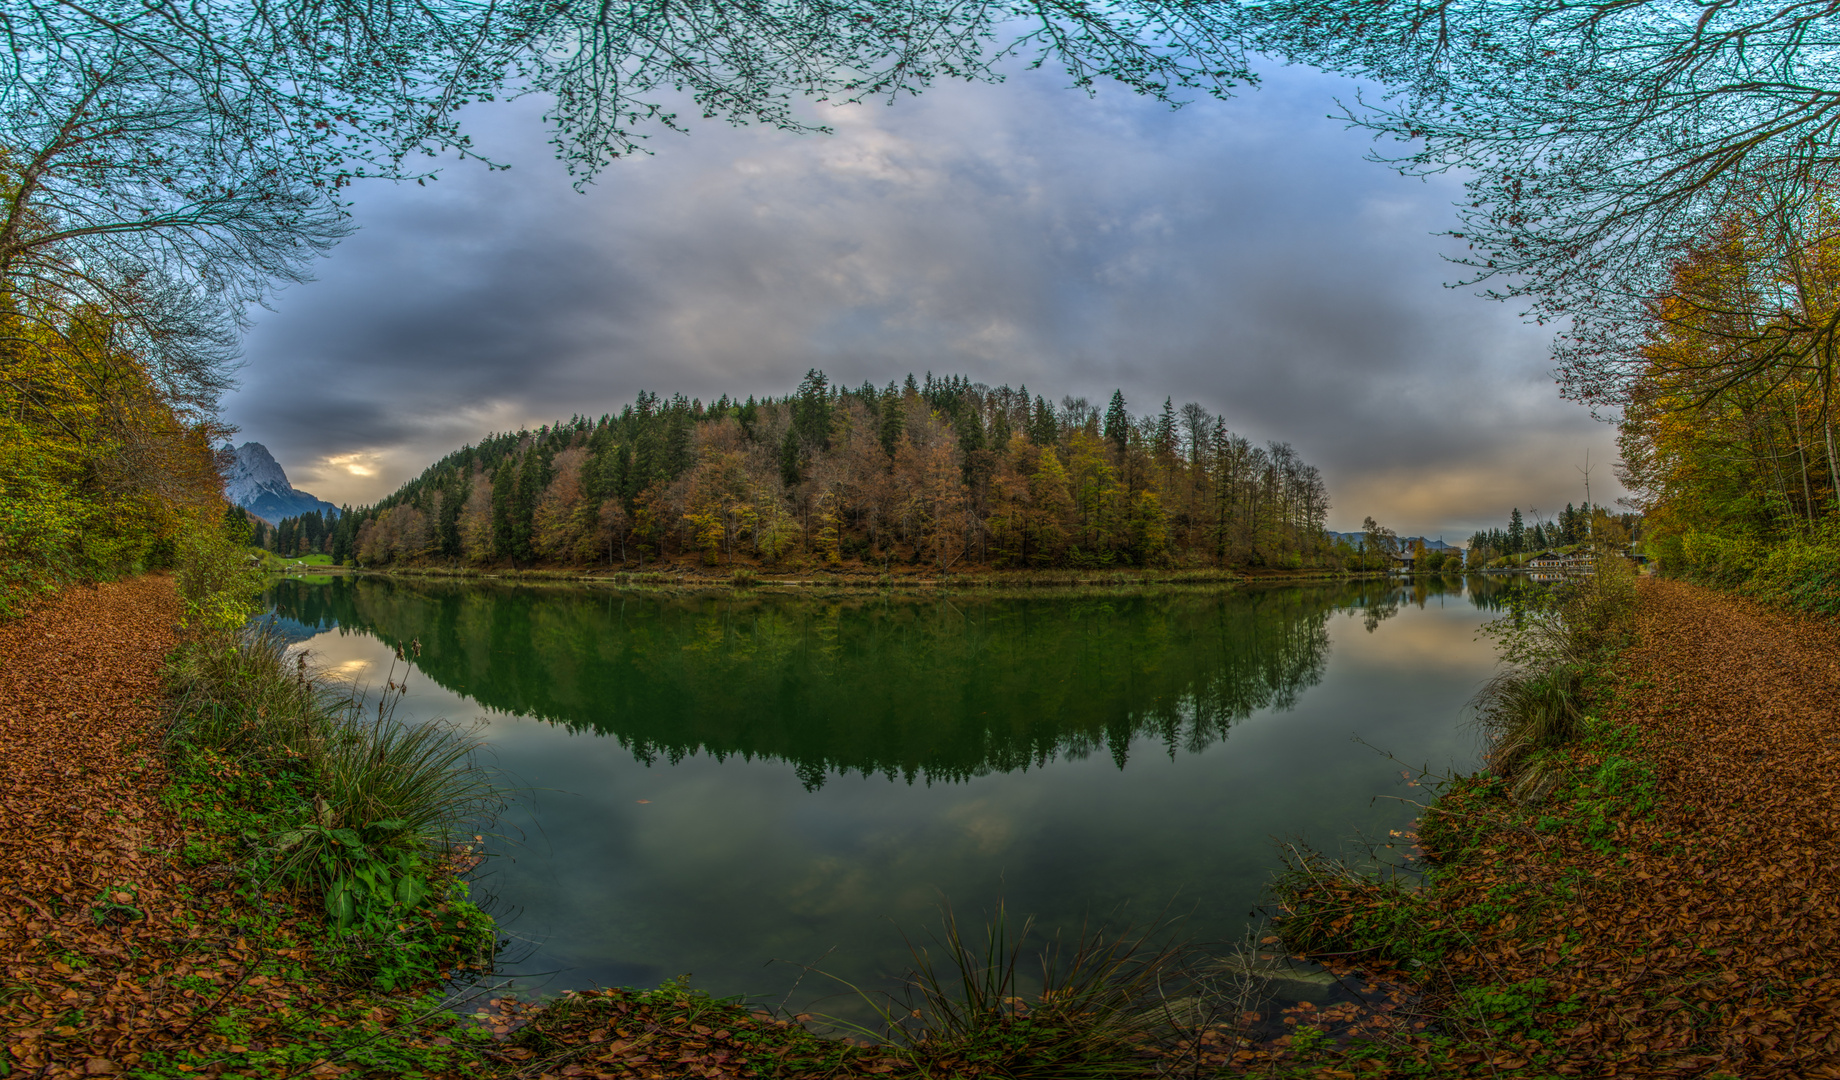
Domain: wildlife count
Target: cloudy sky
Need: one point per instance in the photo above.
(1241, 254)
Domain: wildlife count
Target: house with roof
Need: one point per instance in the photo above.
(1560, 562)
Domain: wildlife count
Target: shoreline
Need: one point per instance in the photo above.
(1654, 907)
(869, 582)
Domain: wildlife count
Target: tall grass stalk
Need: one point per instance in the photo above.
(990, 1004)
(422, 775)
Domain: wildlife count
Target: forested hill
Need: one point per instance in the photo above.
(944, 473)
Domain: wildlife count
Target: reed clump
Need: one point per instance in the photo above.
(990, 1002)
(255, 704)
(1549, 640)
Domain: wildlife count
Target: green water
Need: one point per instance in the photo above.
(735, 786)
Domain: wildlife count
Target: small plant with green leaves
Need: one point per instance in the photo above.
(1525, 1008)
(116, 904)
(366, 874)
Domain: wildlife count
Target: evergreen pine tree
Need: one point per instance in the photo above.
(999, 428)
(1117, 422)
(447, 529)
(679, 442)
(504, 484)
(236, 524)
(789, 458)
(528, 487)
(970, 433)
(1166, 431)
(342, 535)
(811, 411)
(625, 476)
(894, 420)
(1044, 426)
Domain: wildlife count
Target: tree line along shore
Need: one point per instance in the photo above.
(942, 474)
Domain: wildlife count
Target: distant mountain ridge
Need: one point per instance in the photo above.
(256, 482)
(1405, 542)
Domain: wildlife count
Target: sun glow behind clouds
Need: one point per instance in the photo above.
(352, 464)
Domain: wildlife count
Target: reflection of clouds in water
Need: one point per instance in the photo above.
(1447, 645)
(505, 728)
(831, 886)
(989, 830)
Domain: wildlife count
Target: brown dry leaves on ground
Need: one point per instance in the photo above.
(1718, 946)
(1702, 938)
(86, 875)
(614, 1034)
(110, 945)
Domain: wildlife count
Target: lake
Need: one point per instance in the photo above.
(735, 785)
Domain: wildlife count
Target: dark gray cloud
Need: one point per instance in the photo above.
(1239, 254)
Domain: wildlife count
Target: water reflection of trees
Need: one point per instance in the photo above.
(941, 689)
(1383, 600)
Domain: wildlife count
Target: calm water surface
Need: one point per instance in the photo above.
(734, 786)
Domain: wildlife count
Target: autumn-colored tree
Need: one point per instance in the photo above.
(721, 506)
(930, 474)
(1728, 424)
(476, 520)
(827, 543)
(1051, 508)
(1093, 478)
(1148, 528)
(98, 470)
(776, 531)
(557, 523)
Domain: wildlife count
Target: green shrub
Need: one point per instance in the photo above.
(1801, 572)
(1669, 554)
(56, 528)
(1720, 561)
(218, 583)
